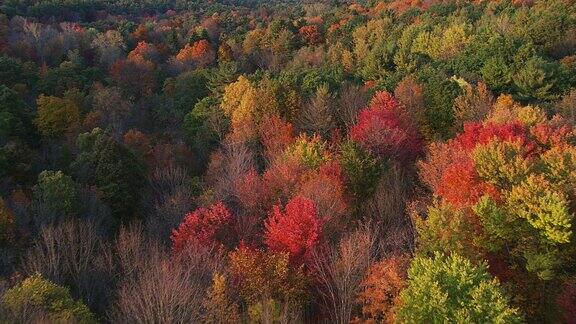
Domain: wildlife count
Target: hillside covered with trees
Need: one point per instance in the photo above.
(250, 161)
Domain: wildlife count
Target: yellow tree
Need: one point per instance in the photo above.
(56, 115)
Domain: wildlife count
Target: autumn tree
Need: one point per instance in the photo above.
(218, 306)
(200, 54)
(56, 116)
(381, 131)
(268, 284)
(202, 226)
(239, 103)
(453, 289)
(310, 34)
(37, 299)
(381, 289)
(136, 75)
(295, 231)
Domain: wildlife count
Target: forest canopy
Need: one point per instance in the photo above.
(371, 161)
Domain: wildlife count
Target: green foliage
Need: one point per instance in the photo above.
(439, 96)
(453, 290)
(362, 170)
(546, 209)
(14, 118)
(114, 169)
(446, 229)
(55, 193)
(502, 163)
(535, 80)
(56, 116)
(187, 89)
(36, 294)
(497, 74)
(13, 71)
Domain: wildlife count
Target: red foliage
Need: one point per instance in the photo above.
(478, 134)
(461, 185)
(276, 135)
(200, 227)
(295, 231)
(311, 34)
(380, 130)
(551, 135)
(249, 191)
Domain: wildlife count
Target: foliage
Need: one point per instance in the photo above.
(264, 275)
(217, 306)
(7, 228)
(112, 168)
(295, 231)
(381, 289)
(200, 227)
(380, 130)
(56, 116)
(451, 288)
(55, 194)
(38, 294)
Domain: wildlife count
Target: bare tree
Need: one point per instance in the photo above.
(111, 110)
(157, 287)
(473, 105)
(72, 254)
(352, 99)
(228, 166)
(387, 208)
(170, 197)
(318, 116)
(339, 272)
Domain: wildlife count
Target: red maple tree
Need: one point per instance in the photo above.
(295, 231)
(201, 226)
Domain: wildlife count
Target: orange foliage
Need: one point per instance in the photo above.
(381, 288)
(263, 275)
(311, 34)
(461, 186)
(200, 53)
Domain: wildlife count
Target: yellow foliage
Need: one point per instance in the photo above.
(505, 110)
(56, 115)
(502, 163)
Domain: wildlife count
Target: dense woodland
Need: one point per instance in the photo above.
(250, 161)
